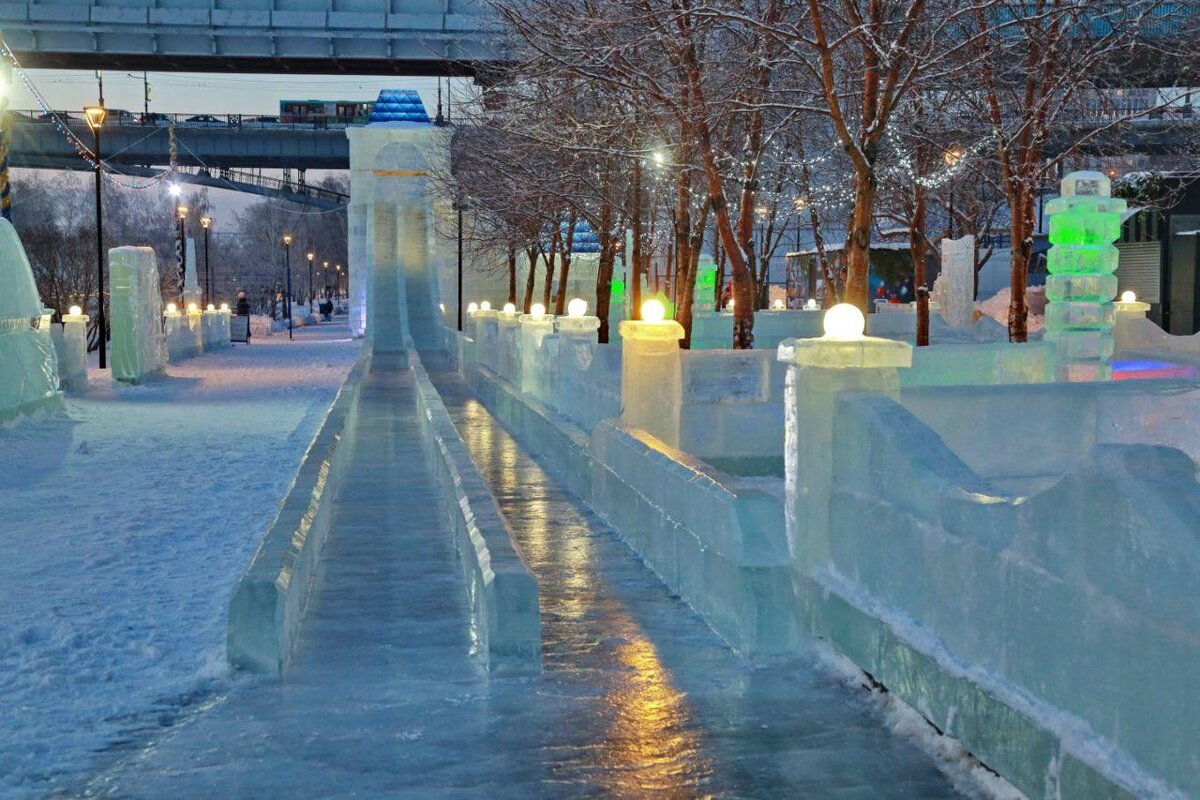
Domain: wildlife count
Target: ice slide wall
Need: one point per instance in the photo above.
(1069, 675)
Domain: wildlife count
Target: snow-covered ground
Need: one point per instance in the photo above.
(126, 523)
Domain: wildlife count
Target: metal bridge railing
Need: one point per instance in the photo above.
(119, 117)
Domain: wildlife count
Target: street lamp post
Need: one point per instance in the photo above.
(181, 213)
(287, 300)
(311, 256)
(460, 206)
(337, 286)
(95, 119)
(325, 276)
(205, 222)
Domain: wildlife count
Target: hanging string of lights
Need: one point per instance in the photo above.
(60, 125)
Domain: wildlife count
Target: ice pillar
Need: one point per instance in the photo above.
(534, 328)
(818, 371)
(508, 346)
(955, 288)
(139, 346)
(1084, 223)
(651, 381)
(70, 342)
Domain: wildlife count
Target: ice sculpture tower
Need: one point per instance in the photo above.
(395, 255)
(1084, 223)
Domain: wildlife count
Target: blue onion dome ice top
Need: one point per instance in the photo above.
(399, 105)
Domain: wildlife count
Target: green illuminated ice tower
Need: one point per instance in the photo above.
(1084, 223)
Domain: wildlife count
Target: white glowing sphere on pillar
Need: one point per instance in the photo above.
(844, 321)
(224, 306)
(577, 307)
(811, 305)
(485, 306)
(211, 307)
(75, 311)
(510, 308)
(1128, 296)
(653, 311)
(777, 305)
(472, 308)
(172, 308)
(537, 311)
(192, 307)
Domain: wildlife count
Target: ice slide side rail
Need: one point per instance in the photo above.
(503, 591)
(270, 598)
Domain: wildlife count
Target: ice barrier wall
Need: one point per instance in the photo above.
(269, 600)
(503, 592)
(28, 364)
(662, 500)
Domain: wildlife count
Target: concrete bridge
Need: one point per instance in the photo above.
(365, 37)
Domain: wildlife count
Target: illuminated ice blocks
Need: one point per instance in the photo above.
(1084, 223)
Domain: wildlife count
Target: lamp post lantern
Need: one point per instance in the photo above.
(325, 276)
(337, 287)
(95, 116)
(206, 222)
(287, 300)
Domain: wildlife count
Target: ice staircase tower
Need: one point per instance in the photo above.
(394, 253)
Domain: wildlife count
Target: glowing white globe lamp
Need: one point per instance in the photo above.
(472, 308)
(485, 306)
(75, 311)
(844, 321)
(1128, 296)
(510, 308)
(577, 307)
(537, 311)
(653, 311)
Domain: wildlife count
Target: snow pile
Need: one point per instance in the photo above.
(996, 307)
(128, 521)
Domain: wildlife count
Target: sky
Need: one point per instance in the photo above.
(207, 93)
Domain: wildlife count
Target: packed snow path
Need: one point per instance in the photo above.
(637, 698)
(127, 522)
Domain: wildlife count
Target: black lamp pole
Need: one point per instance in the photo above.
(205, 222)
(287, 301)
(95, 116)
(100, 322)
(459, 206)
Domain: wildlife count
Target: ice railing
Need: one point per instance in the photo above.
(1050, 600)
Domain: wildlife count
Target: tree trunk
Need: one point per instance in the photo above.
(604, 274)
(530, 279)
(858, 241)
(634, 258)
(549, 258)
(917, 248)
(1021, 243)
(564, 270)
(512, 276)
